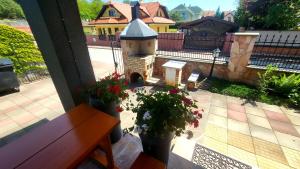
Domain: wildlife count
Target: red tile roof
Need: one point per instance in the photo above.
(150, 9)
(208, 13)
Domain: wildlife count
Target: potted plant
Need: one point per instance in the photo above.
(160, 116)
(106, 95)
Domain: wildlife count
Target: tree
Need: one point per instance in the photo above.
(218, 13)
(176, 16)
(269, 14)
(20, 48)
(10, 9)
(89, 9)
(222, 15)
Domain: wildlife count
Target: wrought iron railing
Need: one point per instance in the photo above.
(281, 50)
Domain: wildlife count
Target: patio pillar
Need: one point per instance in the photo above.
(57, 28)
(241, 50)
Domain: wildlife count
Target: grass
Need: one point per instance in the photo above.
(245, 91)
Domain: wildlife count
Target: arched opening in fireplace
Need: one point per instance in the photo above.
(136, 78)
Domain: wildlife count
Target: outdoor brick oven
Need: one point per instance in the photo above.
(139, 43)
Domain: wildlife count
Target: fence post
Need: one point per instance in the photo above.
(240, 53)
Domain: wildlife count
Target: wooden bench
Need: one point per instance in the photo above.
(63, 142)
(146, 162)
(192, 81)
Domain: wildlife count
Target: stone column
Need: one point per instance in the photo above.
(240, 53)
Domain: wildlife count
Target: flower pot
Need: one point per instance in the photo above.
(157, 147)
(109, 109)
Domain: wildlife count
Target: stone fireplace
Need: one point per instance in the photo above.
(139, 44)
(138, 57)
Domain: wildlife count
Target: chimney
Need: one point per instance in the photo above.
(135, 10)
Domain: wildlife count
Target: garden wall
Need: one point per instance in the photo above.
(220, 70)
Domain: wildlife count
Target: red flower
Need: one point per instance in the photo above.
(196, 123)
(187, 101)
(125, 96)
(174, 91)
(126, 83)
(119, 109)
(196, 112)
(200, 115)
(116, 75)
(115, 89)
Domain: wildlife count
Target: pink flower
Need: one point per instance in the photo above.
(187, 101)
(196, 123)
(174, 91)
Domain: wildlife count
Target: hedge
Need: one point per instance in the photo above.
(20, 48)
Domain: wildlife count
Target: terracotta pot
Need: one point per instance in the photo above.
(109, 109)
(157, 147)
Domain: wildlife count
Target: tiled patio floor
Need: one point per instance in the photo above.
(258, 134)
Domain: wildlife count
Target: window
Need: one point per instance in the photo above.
(116, 29)
(157, 29)
(166, 29)
(112, 12)
(104, 33)
(100, 31)
(109, 31)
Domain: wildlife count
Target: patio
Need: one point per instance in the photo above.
(257, 134)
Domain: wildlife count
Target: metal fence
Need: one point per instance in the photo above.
(193, 52)
(33, 75)
(117, 56)
(277, 50)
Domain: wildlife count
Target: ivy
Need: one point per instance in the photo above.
(20, 48)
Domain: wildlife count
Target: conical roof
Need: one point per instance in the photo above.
(137, 30)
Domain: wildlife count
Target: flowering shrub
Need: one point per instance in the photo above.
(162, 112)
(109, 89)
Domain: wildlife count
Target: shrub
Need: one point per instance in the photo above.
(20, 48)
(10, 9)
(282, 84)
(233, 89)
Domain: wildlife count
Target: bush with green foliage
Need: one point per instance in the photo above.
(20, 48)
(10, 9)
(233, 89)
(287, 86)
(89, 9)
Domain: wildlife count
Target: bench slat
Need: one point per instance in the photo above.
(74, 146)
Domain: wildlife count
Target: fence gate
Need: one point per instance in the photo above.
(117, 57)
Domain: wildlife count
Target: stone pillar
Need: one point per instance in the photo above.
(241, 50)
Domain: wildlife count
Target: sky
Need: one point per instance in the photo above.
(225, 5)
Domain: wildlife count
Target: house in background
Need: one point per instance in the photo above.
(114, 16)
(187, 13)
(228, 16)
(208, 13)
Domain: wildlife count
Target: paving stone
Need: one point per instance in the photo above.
(277, 116)
(236, 107)
(21, 116)
(269, 107)
(263, 133)
(238, 126)
(8, 126)
(282, 127)
(255, 111)
(258, 121)
(217, 120)
(235, 100)
(241, 141)
(269, 150)
(215, 132)
(288, 140)
(235, 115)
(266, 163)
(294, 119)
(292, 156)
(218, 111)
(242, 155)
(219, 103)
(214, 144)
(291, 111)
(6, 105)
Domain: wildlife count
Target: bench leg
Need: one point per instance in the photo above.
(108, 151)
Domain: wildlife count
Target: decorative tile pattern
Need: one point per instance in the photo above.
(218, 111)
(217, 120)
(288, 140)
(240, 141)
(269, 150)
(277, 116)
(242, 155)
(238, 126)
(215, 145)
(235, 115)
(217, 133)
(258, 121)
(236, 107)
(282, 127)
(263, 133)
(255, 111)
(294, 119)
(292, 156)
(266, 163)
